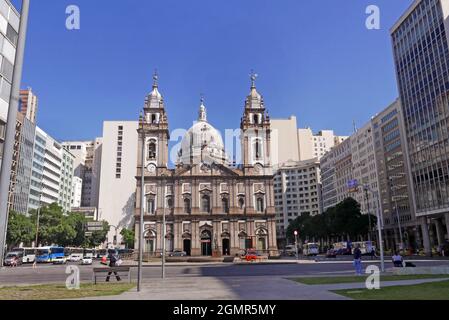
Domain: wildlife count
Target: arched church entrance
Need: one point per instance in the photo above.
(206, 243)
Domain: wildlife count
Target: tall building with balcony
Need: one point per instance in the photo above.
(297, 190)
(37, 170)
(394, 179)
(9, 27)
(28, 103)
(421, 56)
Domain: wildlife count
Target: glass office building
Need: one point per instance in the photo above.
(421, 54)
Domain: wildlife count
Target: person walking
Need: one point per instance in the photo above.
(358, 260)
(113, 258)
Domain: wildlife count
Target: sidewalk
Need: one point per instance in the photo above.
(227, 288)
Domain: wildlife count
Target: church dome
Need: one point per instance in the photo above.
(202, 142)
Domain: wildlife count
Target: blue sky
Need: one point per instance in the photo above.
(315, 60)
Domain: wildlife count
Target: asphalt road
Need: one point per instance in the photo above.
(56, 274)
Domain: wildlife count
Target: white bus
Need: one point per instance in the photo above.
(29, 254)
(311, 249)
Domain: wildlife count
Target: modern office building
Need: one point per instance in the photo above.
(24, 164)
(421, 55)
(9, 27)
(77, 186)
(28, 104)
(296, 192)
(37, 171)
(118, 177)
(394, 179)
(66, 181)
(292, 144)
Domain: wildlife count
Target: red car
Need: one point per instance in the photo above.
(251, 255)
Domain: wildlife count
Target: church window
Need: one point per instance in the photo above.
(152, 150)
(205, 203)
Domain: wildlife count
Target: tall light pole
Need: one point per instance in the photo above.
(142, 201)
(37, 221)
(379, 229)
(365, 188)
(397, 214)
(296, 244)
(8, 147)
(163, 229)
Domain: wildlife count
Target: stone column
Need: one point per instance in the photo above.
(440, 232)
(426, 236)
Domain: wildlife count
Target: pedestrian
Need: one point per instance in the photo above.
(113, 258)
(398, 261)
(358, 260)
(34, 263)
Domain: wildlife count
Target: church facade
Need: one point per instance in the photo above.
(210, 206)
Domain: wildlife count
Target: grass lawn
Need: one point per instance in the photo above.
(425, 291)
(56, 291)
(353, 279)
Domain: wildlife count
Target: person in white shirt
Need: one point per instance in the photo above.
(398, 261)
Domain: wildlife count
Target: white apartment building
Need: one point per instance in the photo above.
(117, 180)
(66, 181)
(9, 27)
(296, 191)
(365, 168)
(292, 144)
(87, 167)
(77, 185)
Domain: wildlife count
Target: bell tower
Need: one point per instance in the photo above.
(153, 129)
(255, 132)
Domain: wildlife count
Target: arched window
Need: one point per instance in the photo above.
(259, 204)
(187, 206)
(256, 118)
(241, 203)
(169, 202)
(150, 206)
(153, 118)
(225, 205)
(205, 203)
(152, 150)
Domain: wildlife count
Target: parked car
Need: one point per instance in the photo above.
(59, 260)
(177, 253)
(290, 251)
(13, 259)
(75, 257)
(251, 255)
(87, 260)
(331, 253)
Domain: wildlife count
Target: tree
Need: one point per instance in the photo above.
(98, 237)
(128, 237)
(20, 229)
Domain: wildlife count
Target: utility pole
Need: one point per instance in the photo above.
(37, 221)
(296, 244)
(397, 215)
(8, 147)
(142, 202)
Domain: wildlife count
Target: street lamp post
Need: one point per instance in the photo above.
(379, 229)
(397, 215)
(296, 244)
(369, 213)
(8, 146)
(37, 221)
(142, 202)
(164, 231)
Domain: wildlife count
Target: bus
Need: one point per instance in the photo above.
(310, 249)
(28, 254)
(342, 248)
(100, 253)
(89, 253)
(73, 254)
(366, 247)
(48, 254)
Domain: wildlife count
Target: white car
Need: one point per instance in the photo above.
(86, 260)
(59, 260)
(75, 257)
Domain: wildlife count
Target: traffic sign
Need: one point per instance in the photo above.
(95, 224)
(94, 228)
(88, 234)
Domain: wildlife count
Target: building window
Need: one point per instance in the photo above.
(152, 150)
(259, 204)
(241, 203)
(225, 205)
(205, 203)
(187, 206)
(150, 206)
